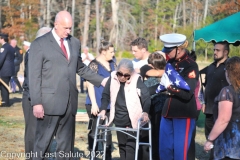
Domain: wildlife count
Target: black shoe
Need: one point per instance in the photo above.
(5, 105)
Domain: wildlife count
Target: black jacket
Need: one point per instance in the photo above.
(181, 103)
(7, 60)
(18, 58)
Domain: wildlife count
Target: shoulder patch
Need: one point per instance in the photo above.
(1, 50)
(192, 74)
(20, 51)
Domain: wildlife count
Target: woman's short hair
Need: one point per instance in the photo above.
(104, 45)
(233, 70)
(127, 64)
(157, 60)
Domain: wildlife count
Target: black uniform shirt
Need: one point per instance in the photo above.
(215, 81)
(181, 103)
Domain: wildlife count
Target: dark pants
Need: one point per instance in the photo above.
(30, 124)
(4, 92)
(155, 121)
(63, 128)
(15, 79)
(82, 84)
(209, 122)
(127, 145)
(93, 130)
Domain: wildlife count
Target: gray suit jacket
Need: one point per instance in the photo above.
(52, 78)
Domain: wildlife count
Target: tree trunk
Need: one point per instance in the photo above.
(98, 36)
(115, 30)
(86, 23)
(175, 18)
(48, 13)
(205, 11)
(103, 10)
(156, 25)
(73, 16)
(41, 12)
(184, 14)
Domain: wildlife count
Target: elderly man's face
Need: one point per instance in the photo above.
(63, 27)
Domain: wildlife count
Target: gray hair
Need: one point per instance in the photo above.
(126, 63)
(43, 31)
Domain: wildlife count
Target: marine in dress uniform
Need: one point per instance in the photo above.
(179, 111)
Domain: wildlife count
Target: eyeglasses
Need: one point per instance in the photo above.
(120, 74)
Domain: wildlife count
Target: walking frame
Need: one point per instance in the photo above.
(103, 129)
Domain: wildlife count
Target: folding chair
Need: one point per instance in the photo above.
(102, 129)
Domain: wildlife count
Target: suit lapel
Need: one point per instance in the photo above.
(56, 45)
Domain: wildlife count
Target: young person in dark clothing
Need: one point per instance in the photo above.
(103, 65)
(215, 80)
(130, 101)
(151, 74)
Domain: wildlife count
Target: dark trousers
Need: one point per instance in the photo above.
(127, 145)
(93, 130)
(155, 121)
(82, 84)
(15, 79)
(4, 91)
(30, 124)
(209, 122)
(63, 128)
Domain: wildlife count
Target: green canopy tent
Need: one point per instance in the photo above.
(227, 29)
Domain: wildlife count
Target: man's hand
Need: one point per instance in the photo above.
(38, 111)
(104, 81)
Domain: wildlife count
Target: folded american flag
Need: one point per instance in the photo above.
(174, 78)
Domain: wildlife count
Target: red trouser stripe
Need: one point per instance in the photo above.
(186, 138)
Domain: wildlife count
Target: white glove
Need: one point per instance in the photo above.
(165, 81)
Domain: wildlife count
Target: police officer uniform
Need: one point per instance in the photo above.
(179, 111)
(6, 67)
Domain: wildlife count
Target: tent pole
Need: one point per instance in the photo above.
(194, 45)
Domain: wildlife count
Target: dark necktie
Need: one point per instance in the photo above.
(63, 48)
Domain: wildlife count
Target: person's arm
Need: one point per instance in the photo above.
(224, 116)
(91, 92)
(190, 80)
(105, 98)
(155, 73)
(86, 73)
(35, 71)
(145, 100)
(145, 96)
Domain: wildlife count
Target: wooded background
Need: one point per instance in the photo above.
(119, 21)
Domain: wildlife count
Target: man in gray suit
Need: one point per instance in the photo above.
(54, 60)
